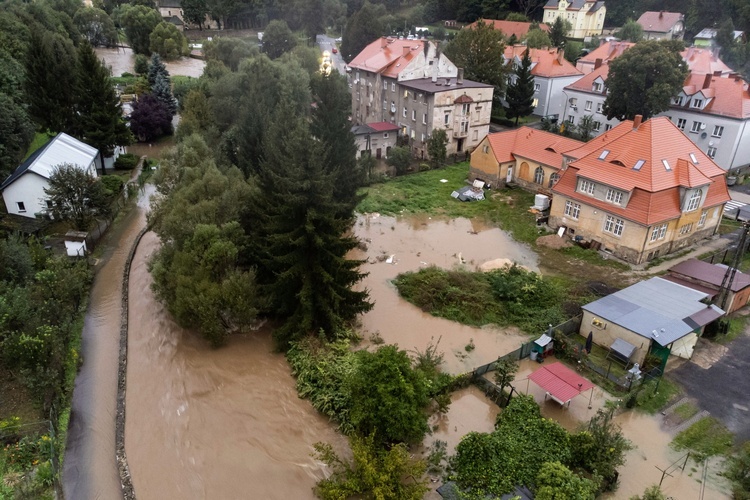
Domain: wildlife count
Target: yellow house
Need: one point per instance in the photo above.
(586, 17)
(528, 157)
(641, 190)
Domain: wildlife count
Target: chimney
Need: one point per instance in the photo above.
(383, 42)
(560, 55)
(661, 15)
(460, 77)
(447, 82)
(707, 81)
(717, 73)
(407, 49)
(598, 63)
(637, 121)
(434, 71)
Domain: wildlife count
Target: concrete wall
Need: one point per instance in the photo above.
(610, 332)
(579, 111)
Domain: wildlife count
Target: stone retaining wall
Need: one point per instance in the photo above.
(122, 460)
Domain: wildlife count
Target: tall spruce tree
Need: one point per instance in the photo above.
(558, 32)
(520, 93)
(162, 91)
(330, 124)
(99, 120)
(155, 68)
(302, 238)
(51, 81)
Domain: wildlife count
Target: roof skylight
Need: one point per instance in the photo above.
(604, 154)
(666, 165)
(693, 158)
(639, 164)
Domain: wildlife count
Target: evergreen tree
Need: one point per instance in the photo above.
(157, 67)
(302, 239)
(436, 147)
(161, 90)
(16, 133)
(363, 28)
(558, 32)
(50, 81)
(99, 115)
(331, 126)
(520, 94)
(479, 51)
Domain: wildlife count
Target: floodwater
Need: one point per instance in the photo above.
(122, 60)
(213, 423)
(90, 470)
(419, 241)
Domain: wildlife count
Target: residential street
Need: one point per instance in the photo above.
(325, 42)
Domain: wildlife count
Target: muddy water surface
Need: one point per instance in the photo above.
(419, 241)
(213, 423)
(122, 60)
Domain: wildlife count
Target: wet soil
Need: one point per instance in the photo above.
(213, 423)
(419, 241)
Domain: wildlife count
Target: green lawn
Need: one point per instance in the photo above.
(424, 193)
(707, 437)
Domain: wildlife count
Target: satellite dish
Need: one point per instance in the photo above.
(704, 135)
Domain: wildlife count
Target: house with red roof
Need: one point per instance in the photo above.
(646, 191)
(531, 158)
(708, 278)
(662, 25)
(551, 72)
(411, 84)
(585, 16)
(518, 29)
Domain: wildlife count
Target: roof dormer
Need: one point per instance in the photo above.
(598, 85)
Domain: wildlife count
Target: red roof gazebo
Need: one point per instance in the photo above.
(560, 382)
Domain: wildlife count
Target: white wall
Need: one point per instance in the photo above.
(28, 189)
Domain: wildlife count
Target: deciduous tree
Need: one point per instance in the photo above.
(520, 93)
(555, 481)
(399, 158)
(278, 39)
(195, 11)
(644, 79)
(138, 22)
(363, 28)
(436, 147)
(16, 133)
(538, 39)
(479, 51)
(96, 26)
(631, 31)
(150, 118)
(75, 195)
(167, 41)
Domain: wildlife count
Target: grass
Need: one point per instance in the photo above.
(686, 411)
(652, 397)
(593, 257)
(598, 356)
(40, 139)
(736, 328)
(424, 193)
(707, 437)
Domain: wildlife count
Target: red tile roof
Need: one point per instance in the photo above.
(388, 56)
(383, 126)
(606, 52)
(599, 141)
(586, 83)
(536, 145)
(730, 96)
(700, 60)
(660, 22)
(549, 63)
(520, 29)
(655, 194)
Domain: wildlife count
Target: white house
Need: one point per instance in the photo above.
(23, 190)
(662, 25)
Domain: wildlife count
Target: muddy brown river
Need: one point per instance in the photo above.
(121, 60)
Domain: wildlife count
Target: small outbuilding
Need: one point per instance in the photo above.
(656, 316)
(706, 277)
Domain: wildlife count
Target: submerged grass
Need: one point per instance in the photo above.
(707, 437)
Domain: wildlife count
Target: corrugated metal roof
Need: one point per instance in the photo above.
(709, 273)
(655, 309)
(560, 381)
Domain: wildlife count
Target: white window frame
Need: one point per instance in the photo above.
(694, 201)
(597, 126)
(424, 119)
(537, 87)
(587, 187)
(677, 101)
(539, 176)
(681, 122)
(614, 225)
(413, 115)
(711, 152)
(405, 112)
(718, 131)
(659, 232)
(572, 210)
(393, 86)
(702, 220)
(21, 207)
(600, 108)
(686, 229)
(589, 105)
(598, 87)
(697, 103)
(614, 196)
(571, 119)
(696, 127)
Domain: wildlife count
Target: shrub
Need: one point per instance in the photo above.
(112, 184)
(126, 161)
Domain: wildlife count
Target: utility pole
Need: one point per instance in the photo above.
(726, 283)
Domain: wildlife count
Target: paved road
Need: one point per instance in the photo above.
(325, 42)
(722, 389)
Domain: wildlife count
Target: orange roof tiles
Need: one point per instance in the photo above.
(520, 29)
(536, 145)
(655, 188)
(547, 62)
(700, 60)
(659, 22)
(606, 52)
(388, 56)
(586, 83)
(729, 96)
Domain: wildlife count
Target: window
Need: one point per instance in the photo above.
(385, 135)
(711, 152)
(614, 225)
(677, 101)
(587, 187)
(695, 200)
(465, 127)
(465, 109)
(589, 105)
(393, 107)
(603, 154)
(659, 232)
(447, 118)
(572, 210)
(413, 115)
(681, 122)
(599, 107)
(385, 104)
(598, 87)
(424, 119)
(702, 220)
(537, 87)
(535, 102)
(696, 127)
(571, 119)
(574, 103)
(597, 126)
(21, 207)
(697, 103)
(539, 175)
(686, 229)
(607, 127)
(639, 164)
(393, 86)
(553, 179)
(406, 94)
(614, 196)
(405, 111)
(485, 149)
(718, 131)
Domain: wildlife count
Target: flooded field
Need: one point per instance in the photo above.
(213, 423)
(122, 60)
(415, 242)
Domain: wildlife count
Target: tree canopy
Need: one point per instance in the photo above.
(644, 79)
(139, 21)
(167, 41)
(278, 39)
(520, 93)
(479, 51)
(363, 28)
(631, 31)
(96, 26)
(75, 195)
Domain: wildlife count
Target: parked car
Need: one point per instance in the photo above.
(335, 50)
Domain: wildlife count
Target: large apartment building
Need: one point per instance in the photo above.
(410, 83)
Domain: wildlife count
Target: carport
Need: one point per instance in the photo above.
(560, 383)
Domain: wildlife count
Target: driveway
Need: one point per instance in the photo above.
(722, 389)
